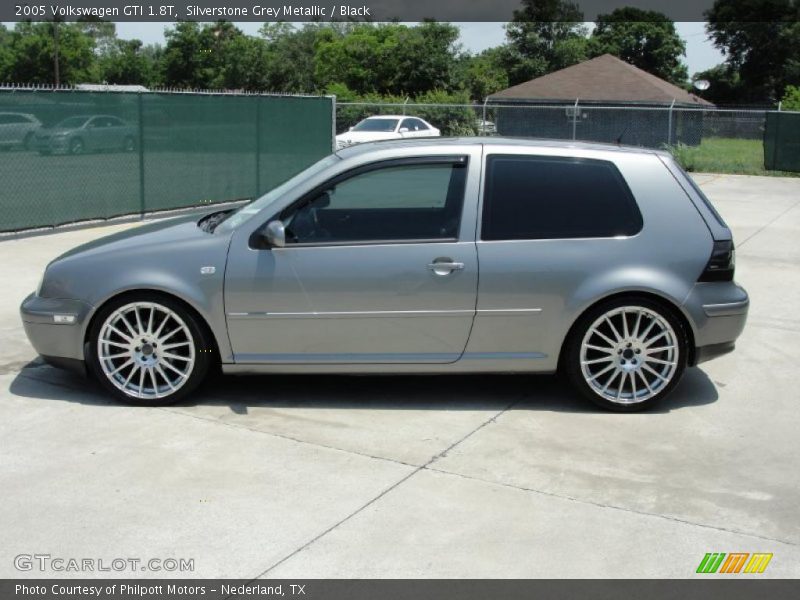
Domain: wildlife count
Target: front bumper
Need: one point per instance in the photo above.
(60, 343)
(719, 313)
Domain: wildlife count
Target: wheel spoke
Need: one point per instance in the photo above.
(138, 320)
(164, 377)
(128, 325)
(657, 350)
(597, 360)
(606, 370)
(152, 372)
(605, 338)
(122, 366)
(172, 368)
(124, 336)
(113, 356)
(613, 329)
(647, 367)
(625, 325)
(635, 333)
(175, 357)
(130, 376)
(171, 346)
(150, 321)
(658, 361)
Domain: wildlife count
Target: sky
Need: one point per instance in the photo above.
(700, 53)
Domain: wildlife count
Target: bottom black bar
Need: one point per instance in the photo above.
(731, 588)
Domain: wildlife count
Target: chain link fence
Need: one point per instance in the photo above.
(68, 155)
(653, 127)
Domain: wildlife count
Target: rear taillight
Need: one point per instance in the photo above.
(722, 263)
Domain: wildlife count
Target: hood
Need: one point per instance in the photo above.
(160, 233)
(358, 137)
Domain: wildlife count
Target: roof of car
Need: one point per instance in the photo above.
(357, 149)
(390, 117)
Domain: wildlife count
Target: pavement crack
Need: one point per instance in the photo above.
(770, 222)
(383, 493)
(611, 506)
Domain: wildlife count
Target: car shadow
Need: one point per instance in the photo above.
(488, 392)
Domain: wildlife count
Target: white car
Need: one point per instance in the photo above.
(386, 127)
(17, 129)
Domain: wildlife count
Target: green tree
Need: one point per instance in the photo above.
(725, 85)
(484, 74)
(126, 62)
(389, 58)
(761, 41)
(544, 36)
(791, 98)
(6, 55)
(643, 38)
(32, 49)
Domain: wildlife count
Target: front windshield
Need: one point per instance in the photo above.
(72, 122)
(376, 125)
(248, 210)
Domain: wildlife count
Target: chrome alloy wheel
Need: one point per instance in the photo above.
(629, 354)
(146, 350)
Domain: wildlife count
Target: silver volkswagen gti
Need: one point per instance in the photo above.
(605, 263)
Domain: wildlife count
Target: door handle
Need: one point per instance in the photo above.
(445, 267)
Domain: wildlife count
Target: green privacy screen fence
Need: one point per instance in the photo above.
(69, 156)
(782, 141)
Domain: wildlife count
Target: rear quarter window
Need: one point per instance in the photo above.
(543, 197)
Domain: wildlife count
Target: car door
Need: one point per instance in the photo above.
(380, 266)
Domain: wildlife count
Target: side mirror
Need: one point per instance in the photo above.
(275, 234)
(349, 129)
(403, 130)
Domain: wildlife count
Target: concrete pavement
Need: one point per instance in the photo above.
(473, 476)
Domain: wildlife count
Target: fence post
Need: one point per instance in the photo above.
(483, 121)
(141, 158)
(780, 103)
(575, 119)
(333, 122)
(669, 123)
(258, 146)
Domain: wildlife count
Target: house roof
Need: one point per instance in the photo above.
(602, 79)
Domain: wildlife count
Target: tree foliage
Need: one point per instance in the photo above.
(643, 38)
(761, 41)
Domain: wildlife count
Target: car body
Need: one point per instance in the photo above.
(86, 133)
(17, 129)
(386, 127)
(485, 127)
(415, 256)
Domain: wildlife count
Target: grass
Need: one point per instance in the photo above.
(725, 155)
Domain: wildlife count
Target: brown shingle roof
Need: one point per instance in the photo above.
(602, 79)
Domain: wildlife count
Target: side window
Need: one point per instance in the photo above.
(419, 201)
(419, 125)
(539, 197)
(407, 124)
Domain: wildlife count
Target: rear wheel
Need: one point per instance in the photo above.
(626, 354)
(148, 350)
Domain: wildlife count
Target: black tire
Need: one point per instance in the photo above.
(205, 355)
(76, 146)
(574, 370)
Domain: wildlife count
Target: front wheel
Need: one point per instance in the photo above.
(626, 354)
(148, 350)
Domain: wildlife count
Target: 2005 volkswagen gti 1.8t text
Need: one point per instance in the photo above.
(418, 256)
